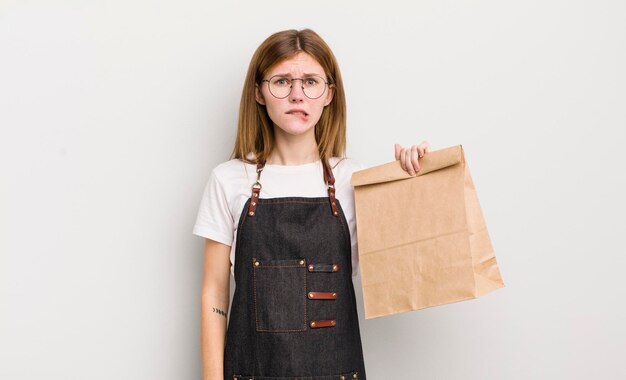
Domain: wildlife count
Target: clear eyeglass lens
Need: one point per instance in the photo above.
(313, 86)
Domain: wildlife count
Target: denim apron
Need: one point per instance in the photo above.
(294, 312)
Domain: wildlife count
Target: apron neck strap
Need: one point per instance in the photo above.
(256, 189)
(329, 179)
(330, 183)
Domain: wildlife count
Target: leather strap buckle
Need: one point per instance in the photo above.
(256, 189)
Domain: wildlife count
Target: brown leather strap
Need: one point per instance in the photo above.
(328, 177)
(256, 189)
(355, 376)
(323, 267)
(322, 295)
(323, 323)
(330, 182)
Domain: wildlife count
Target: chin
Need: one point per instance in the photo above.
(296, 129)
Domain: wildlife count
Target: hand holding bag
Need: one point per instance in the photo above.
(422, 240)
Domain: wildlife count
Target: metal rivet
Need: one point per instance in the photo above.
(255, 195)
(253, 203)
(334, 294)
(335, 268)
(256, 264)
(332, 322)
(333, 203)
(301, 262)
(343, 377)
(335, 213)
(311, 295)
(354, 375)
(311, 267)
(312, 324)
(251, 213)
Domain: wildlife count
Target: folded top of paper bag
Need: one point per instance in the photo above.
(392, 171)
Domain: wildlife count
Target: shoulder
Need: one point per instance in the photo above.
(233, 174)
(234, 167)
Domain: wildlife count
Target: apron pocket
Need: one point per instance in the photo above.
(280, 295)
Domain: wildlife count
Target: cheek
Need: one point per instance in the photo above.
(317, 110)
(273, 109)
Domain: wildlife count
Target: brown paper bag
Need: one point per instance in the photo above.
(422, 240)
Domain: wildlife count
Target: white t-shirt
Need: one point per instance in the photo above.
(230, 185)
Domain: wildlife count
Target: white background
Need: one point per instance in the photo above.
(113, 113)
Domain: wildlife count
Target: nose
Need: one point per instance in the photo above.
(297, 91)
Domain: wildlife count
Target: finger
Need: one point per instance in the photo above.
(407, 162)
(426, 146)
(414, 158)
(420, 150)
(397, 148)
(400, 156)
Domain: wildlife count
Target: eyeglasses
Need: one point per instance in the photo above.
(280, 87)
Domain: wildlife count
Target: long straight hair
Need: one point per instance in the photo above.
(255, 131)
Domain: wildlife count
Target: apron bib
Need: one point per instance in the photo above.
(293, 314)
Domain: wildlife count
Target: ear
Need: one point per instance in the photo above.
(258, 95)
(330, 94)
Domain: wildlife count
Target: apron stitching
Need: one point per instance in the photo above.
(254, 269)
(305, 317)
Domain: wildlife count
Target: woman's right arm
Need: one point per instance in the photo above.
(215, 302)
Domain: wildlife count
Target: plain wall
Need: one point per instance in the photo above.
(113, 114)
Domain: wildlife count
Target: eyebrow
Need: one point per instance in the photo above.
(290, 76)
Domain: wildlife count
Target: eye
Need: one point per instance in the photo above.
(279, 81)
(312, 82)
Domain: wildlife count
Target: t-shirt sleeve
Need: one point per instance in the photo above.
(214, 220)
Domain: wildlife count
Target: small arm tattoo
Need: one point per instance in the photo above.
(218, 311)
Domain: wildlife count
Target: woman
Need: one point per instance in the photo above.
(279, 216)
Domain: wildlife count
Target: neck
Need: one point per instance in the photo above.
(293, 150)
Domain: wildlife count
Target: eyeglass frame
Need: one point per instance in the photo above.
(326, 85)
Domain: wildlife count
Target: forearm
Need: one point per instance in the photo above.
(213, 334)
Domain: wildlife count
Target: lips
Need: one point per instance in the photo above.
(298, 112)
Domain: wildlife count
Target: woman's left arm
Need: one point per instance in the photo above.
(408, 156)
